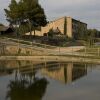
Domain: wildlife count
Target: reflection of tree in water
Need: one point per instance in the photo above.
(24, 89)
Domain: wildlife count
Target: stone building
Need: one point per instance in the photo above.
(6, 30)
(67, 26)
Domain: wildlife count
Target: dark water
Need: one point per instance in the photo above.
(26, 80)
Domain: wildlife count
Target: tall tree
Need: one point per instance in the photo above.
(12, 13)
(26, 10)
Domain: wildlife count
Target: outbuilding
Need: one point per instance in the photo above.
(6, 30)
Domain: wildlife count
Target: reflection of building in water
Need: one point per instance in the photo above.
(13, 64)
(79, 70)
(67, 72)
(4, 72)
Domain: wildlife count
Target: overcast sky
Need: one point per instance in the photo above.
(84, 10)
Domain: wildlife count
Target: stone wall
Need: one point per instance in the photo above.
(16, 50)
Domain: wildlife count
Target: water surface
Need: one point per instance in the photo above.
(27, 80)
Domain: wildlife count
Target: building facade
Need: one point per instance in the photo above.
(67, 26)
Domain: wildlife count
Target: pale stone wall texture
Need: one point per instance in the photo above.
(69, 27)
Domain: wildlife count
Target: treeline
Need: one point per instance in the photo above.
(93, 33)
(26, 15)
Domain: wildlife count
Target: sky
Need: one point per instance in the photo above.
(87, 11)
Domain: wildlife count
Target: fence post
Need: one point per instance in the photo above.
(59, 54)
(98, 52)
(72, 50)
(85, 51)
(59, 50)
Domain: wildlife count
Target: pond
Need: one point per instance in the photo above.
(27, 80)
